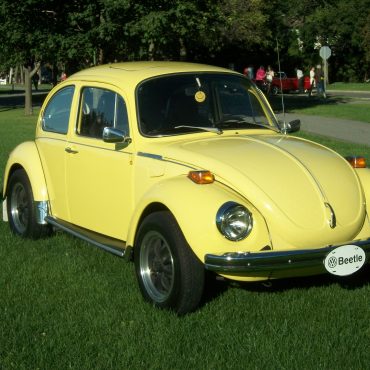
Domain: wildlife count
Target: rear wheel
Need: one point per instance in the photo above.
(170, 276)
(21, 207)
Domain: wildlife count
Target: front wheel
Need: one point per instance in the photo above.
(21, 208)
(170, 276)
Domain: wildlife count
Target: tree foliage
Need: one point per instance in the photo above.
(79, 33)
(339, 24)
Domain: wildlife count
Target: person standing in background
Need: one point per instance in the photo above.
(269, 77)
(319, 78)
(300, 80)
(312, 81)
(260, 77)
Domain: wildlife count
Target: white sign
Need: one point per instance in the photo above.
(325, 52)
(345, 260)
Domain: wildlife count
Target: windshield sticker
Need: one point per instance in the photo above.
(200, 96)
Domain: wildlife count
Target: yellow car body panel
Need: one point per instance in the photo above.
(26, 155)
(198, 223)
(301, 216)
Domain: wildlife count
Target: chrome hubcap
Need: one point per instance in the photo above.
(156, 266)
(19, 207)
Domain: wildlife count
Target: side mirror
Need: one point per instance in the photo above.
(113, 135)
(293, 126)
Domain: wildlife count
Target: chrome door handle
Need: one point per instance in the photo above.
(70, 150)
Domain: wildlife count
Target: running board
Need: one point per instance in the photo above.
(110, 245)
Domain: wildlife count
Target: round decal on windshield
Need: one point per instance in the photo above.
(200, 96)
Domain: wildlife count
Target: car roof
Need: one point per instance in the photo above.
(134, 72)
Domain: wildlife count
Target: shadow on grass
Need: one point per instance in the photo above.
(215, 288)
(9, 102)
(299, 101)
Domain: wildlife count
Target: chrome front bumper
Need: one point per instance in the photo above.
(265, 263)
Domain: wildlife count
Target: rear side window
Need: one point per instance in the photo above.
(57, 112)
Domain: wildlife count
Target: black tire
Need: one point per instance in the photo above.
(169, 274)
(21, 208)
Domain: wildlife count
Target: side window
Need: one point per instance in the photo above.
(236, 102)
(258, 113)
(56, 113)
(101, 108)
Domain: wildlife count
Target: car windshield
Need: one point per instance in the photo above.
(194, 102)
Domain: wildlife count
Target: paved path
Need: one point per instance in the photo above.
(342, 129)
(337, 128)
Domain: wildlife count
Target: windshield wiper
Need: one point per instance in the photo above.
(216, 130)
(234, 123)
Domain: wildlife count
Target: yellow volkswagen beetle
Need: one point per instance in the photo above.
(185, 168)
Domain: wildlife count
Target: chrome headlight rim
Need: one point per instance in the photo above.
(225, 214)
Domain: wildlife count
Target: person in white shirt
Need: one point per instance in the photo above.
(300, 80)
(269, 77)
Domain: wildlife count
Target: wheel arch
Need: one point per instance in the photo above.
(25, 156)
(140, 216)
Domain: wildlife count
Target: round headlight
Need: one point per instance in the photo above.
(234, 221)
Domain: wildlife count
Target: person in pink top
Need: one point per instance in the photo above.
(63, 76)
(260, 76)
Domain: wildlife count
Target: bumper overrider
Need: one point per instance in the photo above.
(342, 260)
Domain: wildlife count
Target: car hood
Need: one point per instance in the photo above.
(296, 184)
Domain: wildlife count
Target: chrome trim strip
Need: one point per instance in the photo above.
(110, 245)
(160, 158)
(245, 263)
(333, 219)
(150, 155)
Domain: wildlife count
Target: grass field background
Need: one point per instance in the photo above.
(352, 111)
(349, 86)
(67, 305)
(339, 104)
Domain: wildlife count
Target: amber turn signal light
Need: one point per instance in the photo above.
(357, 162)
(201, 177)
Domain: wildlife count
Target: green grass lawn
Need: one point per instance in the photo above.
(67, 305)
(348, 86)
(355, 111)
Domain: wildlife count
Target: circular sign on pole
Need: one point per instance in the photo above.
(325, 52)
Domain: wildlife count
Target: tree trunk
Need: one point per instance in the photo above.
(151, 50)
(28, 74)
(27, 91)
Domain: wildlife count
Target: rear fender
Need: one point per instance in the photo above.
(26, 156)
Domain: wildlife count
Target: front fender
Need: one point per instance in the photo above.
(26, 156)
(195, 208)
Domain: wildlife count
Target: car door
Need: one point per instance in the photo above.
(98, 174)
(51, 140)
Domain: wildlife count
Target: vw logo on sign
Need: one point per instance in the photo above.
(332, 262)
